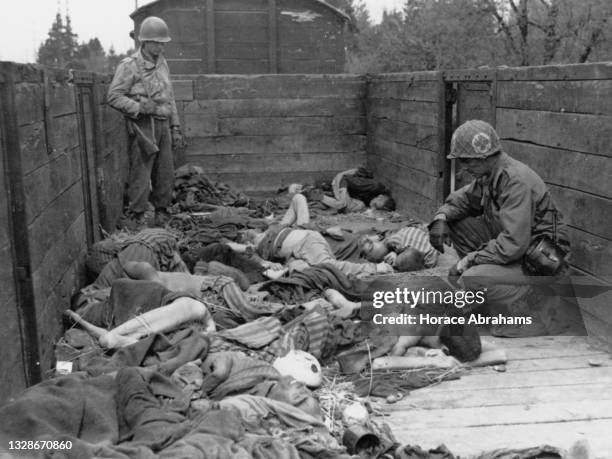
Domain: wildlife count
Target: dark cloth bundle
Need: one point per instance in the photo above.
(315, 279)
(363, 186)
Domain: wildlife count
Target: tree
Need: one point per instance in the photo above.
(444, 34)
(546, 31)
(60, 47)
(62, 50)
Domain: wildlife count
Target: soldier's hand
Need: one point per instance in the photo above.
(439, 234)
(178, 141)
(147, 107)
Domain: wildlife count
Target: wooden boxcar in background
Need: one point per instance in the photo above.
(251, 36)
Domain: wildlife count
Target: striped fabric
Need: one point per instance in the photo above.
(242, 307)
(317, 327)
(255, 334)
(157, 243)
(416, 238)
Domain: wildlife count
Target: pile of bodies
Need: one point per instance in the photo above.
(186, 345)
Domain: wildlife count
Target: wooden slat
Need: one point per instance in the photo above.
(278, 86)
(523, 413)
(64, 133)
(572, 169)
(579, 376)
(186, 26)
(327, 66)
(423, 113)
(32, 140)
(408, 76)
(590, 253)
(29, 101)
(179, 66)
(423, 137)
(239, 108)
(590, 96)
(236, 66)
(211, 45)
(599, 71)
(406, 155)
(469, 441)
(423, 91)
(598, 325)
(183, 90)
(290, 126)
(181, 50)
(54, 220)
(265, 182)
(474, 102)
(59, 256)
(45, 183)
(242, 26)
(274, 163)
(411, 179)
(243, 51)
(272, 36)
(466, 398)
(585, 211)
(415, 205)
(273, 144)
(584, 133)
(550, 363)
(241, 5)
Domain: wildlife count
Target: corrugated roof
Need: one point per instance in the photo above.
(337, 11)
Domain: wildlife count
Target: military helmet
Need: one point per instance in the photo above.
(474, 139)
(153, 29)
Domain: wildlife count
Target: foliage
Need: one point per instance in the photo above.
(445, 34)
(61, 49)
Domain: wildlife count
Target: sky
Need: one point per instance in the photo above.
(26, 23)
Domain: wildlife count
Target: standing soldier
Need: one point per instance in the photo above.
(142, 91)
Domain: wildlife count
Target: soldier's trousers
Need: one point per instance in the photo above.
(469, 235)
(151, 176)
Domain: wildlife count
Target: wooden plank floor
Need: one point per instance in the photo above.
(550, 394)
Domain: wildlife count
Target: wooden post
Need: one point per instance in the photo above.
(273, 37)
(18, 225)
(445, 118)
(210, 36)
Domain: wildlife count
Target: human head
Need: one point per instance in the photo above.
(463, 341)
(372, 248)
(409, 260)
(474, 139)
(383, 202)
(153, 35)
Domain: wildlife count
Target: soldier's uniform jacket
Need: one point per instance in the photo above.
(515, 204)
(135, 80)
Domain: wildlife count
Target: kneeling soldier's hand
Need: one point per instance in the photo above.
(439, 234)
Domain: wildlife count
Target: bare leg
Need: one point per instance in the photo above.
(165, 318)
(298, 213)
(158, 320)
(106, 339)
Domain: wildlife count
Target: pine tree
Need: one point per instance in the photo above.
(51, 52)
